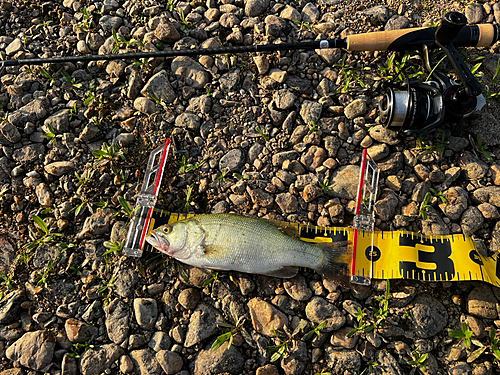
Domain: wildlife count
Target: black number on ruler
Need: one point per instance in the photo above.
(442, 266)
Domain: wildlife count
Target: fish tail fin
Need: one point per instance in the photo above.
(336, 259)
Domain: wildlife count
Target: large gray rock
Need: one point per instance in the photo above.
(232, 161)
(95, 360)
(202, 324)
(9, 310)
(146, 312)
(33, 350)
(428, 316)
(159, 87)
(344, 182)
(117, 320)
(256, 7)
(29, 153)
(187, 68)
(33, 111)
(222, 360)
(145, 362)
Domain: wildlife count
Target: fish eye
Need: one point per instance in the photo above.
(166, 229)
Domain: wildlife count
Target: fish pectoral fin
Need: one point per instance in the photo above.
(284, 272)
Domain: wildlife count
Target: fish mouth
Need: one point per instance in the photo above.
(157, 243)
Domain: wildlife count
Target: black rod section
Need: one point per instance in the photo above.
(332, 43)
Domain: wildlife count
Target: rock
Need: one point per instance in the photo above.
(166, 32)
(339, 338)
(14, 47)
(474, 13)
(10, 132)
(287, 203)
(471, 221)
(488, 211)
(189, 298)
(255, 8)
(126, 282)
(340, 361)
(117, 320)
(144, 105)
(434, 225)
(332, 145)
(188, 120)
(310, 111)
(262, 64)
(29, 153)
(158, 86)
(481, 302)
(59, 168)
(96, 224)
(126, 364)
(355, 109)
(10, 309)
(79, 332)
(310, 13)
(33, 350)
(378, 151)
(311, 192)
(146, 312)
(68, 365)
(222, 360)
(108, 23)
(229, 81)
(89, 132)
(385, 207)
(490, 194)
(319, 309)
(170, 362)
(313, 158)
(295, 362)
(457, 202)
(297, 288)
(145, 362)
(232, 161)
(388, 364)
(383, 135)
(159, 341)
(473, 168)
(95, 360)
(428, 316)
(457, 144)
(278, 75)
(378, 14)
(260, 197)
(44, 194)
(344, 182)
(265, 317)
(200, 104)
(186, 67)
(202, 324)
(267, 370)
(280, 157)
(396, 23)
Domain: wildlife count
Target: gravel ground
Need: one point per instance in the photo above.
(275, 135)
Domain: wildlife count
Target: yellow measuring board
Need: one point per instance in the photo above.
(393, 255)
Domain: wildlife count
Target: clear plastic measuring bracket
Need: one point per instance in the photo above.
(364, 219)
(146, 201)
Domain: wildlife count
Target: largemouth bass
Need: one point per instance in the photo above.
(237, 243)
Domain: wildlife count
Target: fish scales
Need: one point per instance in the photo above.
(238, 243)
(253, 243)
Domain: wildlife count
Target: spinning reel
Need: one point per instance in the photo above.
(414, 107)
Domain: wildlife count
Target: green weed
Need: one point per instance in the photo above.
(285, 340)
(419, 360)
(231, 330)
(424, 205)
(186, 168)
(464, 334)
(44, 233)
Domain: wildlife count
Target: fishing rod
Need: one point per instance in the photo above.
(483, 35)
(412, 107)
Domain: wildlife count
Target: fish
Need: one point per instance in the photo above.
(230, 242)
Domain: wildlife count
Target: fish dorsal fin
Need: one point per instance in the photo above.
(290, 229)
(196, 234)
(284, 272)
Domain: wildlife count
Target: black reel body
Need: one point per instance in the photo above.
(419, 107)
(414, 107)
